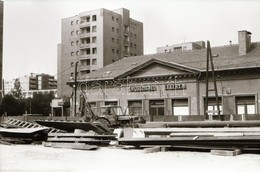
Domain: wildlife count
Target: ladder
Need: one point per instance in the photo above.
(209, 59)
(24, 124)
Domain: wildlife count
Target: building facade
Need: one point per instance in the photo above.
(94, 39)
(33, 83)
(182, 47)
(162, 87)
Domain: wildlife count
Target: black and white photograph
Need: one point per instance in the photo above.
(129, 85)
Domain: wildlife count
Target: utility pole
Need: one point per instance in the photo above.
(210, 59)
(75, 89)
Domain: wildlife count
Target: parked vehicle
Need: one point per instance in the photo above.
(111, 116)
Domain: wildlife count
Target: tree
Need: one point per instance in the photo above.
(17, 91)
(40, 103)
(14, 106)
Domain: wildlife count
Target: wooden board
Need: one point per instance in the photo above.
(79, 146)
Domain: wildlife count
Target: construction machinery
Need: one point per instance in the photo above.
(110, 116)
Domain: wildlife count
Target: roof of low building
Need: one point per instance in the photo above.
(225, 58)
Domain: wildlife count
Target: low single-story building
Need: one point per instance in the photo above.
(161, 87)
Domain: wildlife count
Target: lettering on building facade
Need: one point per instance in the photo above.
(142, 88)
(175, 86)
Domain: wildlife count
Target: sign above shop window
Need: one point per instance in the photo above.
(142, 88)
(175, 86)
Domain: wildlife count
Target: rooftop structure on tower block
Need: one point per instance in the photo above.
(182, 47)
(95, 39)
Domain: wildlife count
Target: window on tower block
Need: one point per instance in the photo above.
(94, 61)
(94, 39)
(94, 50)
(94, 18)
(94, 28)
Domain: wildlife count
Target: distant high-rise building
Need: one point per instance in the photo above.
(95, 39)
(37, 82)
(33, 83)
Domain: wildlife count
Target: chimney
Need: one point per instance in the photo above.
(244, 42)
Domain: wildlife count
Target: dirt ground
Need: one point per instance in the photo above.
(37, 158)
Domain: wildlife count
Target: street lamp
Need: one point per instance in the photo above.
(75, 89)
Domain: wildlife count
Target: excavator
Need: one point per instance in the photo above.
(109, 116)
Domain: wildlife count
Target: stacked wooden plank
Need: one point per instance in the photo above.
(23, 135)
(71, 126)
(198, 137)
(72, 140)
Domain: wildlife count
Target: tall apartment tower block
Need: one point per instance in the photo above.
(95, 39)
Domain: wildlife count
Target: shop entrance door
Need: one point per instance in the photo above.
(156, 108)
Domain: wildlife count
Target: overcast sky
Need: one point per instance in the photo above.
(32, 28)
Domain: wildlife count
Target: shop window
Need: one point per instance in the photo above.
(107, 103)
(212, 105)
(180, 107)
(157, 107)
(94, 18)
(245, 104)
(135, 107)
